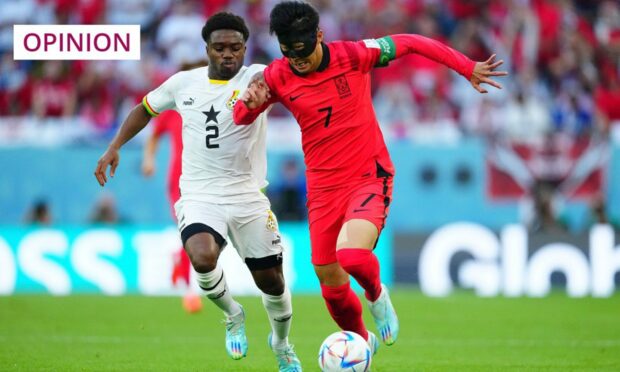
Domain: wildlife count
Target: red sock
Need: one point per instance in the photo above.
(363, 265)
(345, 308)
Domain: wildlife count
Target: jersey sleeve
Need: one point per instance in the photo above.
(160, 99)
(369, 52)
(242, 115)
(396, 46)
(379, 52)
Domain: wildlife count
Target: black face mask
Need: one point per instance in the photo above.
(307, 39)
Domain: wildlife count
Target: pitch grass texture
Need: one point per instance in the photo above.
(458, 333)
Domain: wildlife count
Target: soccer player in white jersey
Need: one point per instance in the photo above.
(223, 170)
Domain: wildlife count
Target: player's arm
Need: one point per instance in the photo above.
(255, 100)
(137, 119)
(158, 100)
(396, 46)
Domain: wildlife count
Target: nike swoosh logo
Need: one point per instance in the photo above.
(360, 210)
(292, 98)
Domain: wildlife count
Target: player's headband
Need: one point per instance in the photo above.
(308, 39)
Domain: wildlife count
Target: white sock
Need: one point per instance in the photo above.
(280, 311)
(214, 287)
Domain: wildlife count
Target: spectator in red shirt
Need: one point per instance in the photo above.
(55, 94)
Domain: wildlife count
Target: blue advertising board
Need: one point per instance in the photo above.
(136, 259)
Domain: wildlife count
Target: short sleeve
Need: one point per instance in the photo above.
(161, 98)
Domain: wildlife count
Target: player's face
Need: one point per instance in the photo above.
(310, 63)
(226, 50)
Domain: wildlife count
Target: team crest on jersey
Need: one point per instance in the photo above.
(272, 223)
(342, 86)
(232, 100)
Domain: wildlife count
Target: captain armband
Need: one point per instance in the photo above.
(386, 47)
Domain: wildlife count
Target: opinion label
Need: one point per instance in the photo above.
(76, 42)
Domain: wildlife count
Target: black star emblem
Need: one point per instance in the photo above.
(211, 115)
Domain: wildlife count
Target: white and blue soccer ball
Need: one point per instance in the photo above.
(345, 351)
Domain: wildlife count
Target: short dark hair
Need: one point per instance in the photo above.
(293, 17)
(225, 21)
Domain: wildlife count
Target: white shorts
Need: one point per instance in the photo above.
(251, 226)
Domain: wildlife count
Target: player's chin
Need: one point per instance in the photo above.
(300, 65)
(229, 69)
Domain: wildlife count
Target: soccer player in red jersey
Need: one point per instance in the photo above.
(349, 172)
(170, 123)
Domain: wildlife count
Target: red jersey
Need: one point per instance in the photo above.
(170, 122)
(341, 138)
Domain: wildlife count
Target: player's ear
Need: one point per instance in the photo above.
(319, 36)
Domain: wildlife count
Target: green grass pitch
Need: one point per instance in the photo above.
(458, 333)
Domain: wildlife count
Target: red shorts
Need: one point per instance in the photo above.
(329, 210)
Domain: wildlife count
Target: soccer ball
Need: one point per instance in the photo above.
(344, 351)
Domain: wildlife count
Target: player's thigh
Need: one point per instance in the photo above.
(325, 218)
(254, 230)
(357, 233)
(203, 230)
(367, 211)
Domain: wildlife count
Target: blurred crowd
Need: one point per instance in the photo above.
(562, 56)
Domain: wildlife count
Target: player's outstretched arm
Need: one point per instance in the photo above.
(253, 101)
(137, 119)
(395, 46)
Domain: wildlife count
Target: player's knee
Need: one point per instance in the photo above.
(203, 263)
(272, 287)
(270, 281)
(202, 256)
(332, 275)
(202, 244)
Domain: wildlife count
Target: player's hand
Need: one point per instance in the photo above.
(257, 93)
(483, 73)
(148, 167)
(109, 158)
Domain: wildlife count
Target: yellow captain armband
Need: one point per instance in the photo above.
(148, 107)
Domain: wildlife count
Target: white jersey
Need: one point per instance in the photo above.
(222, 162)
